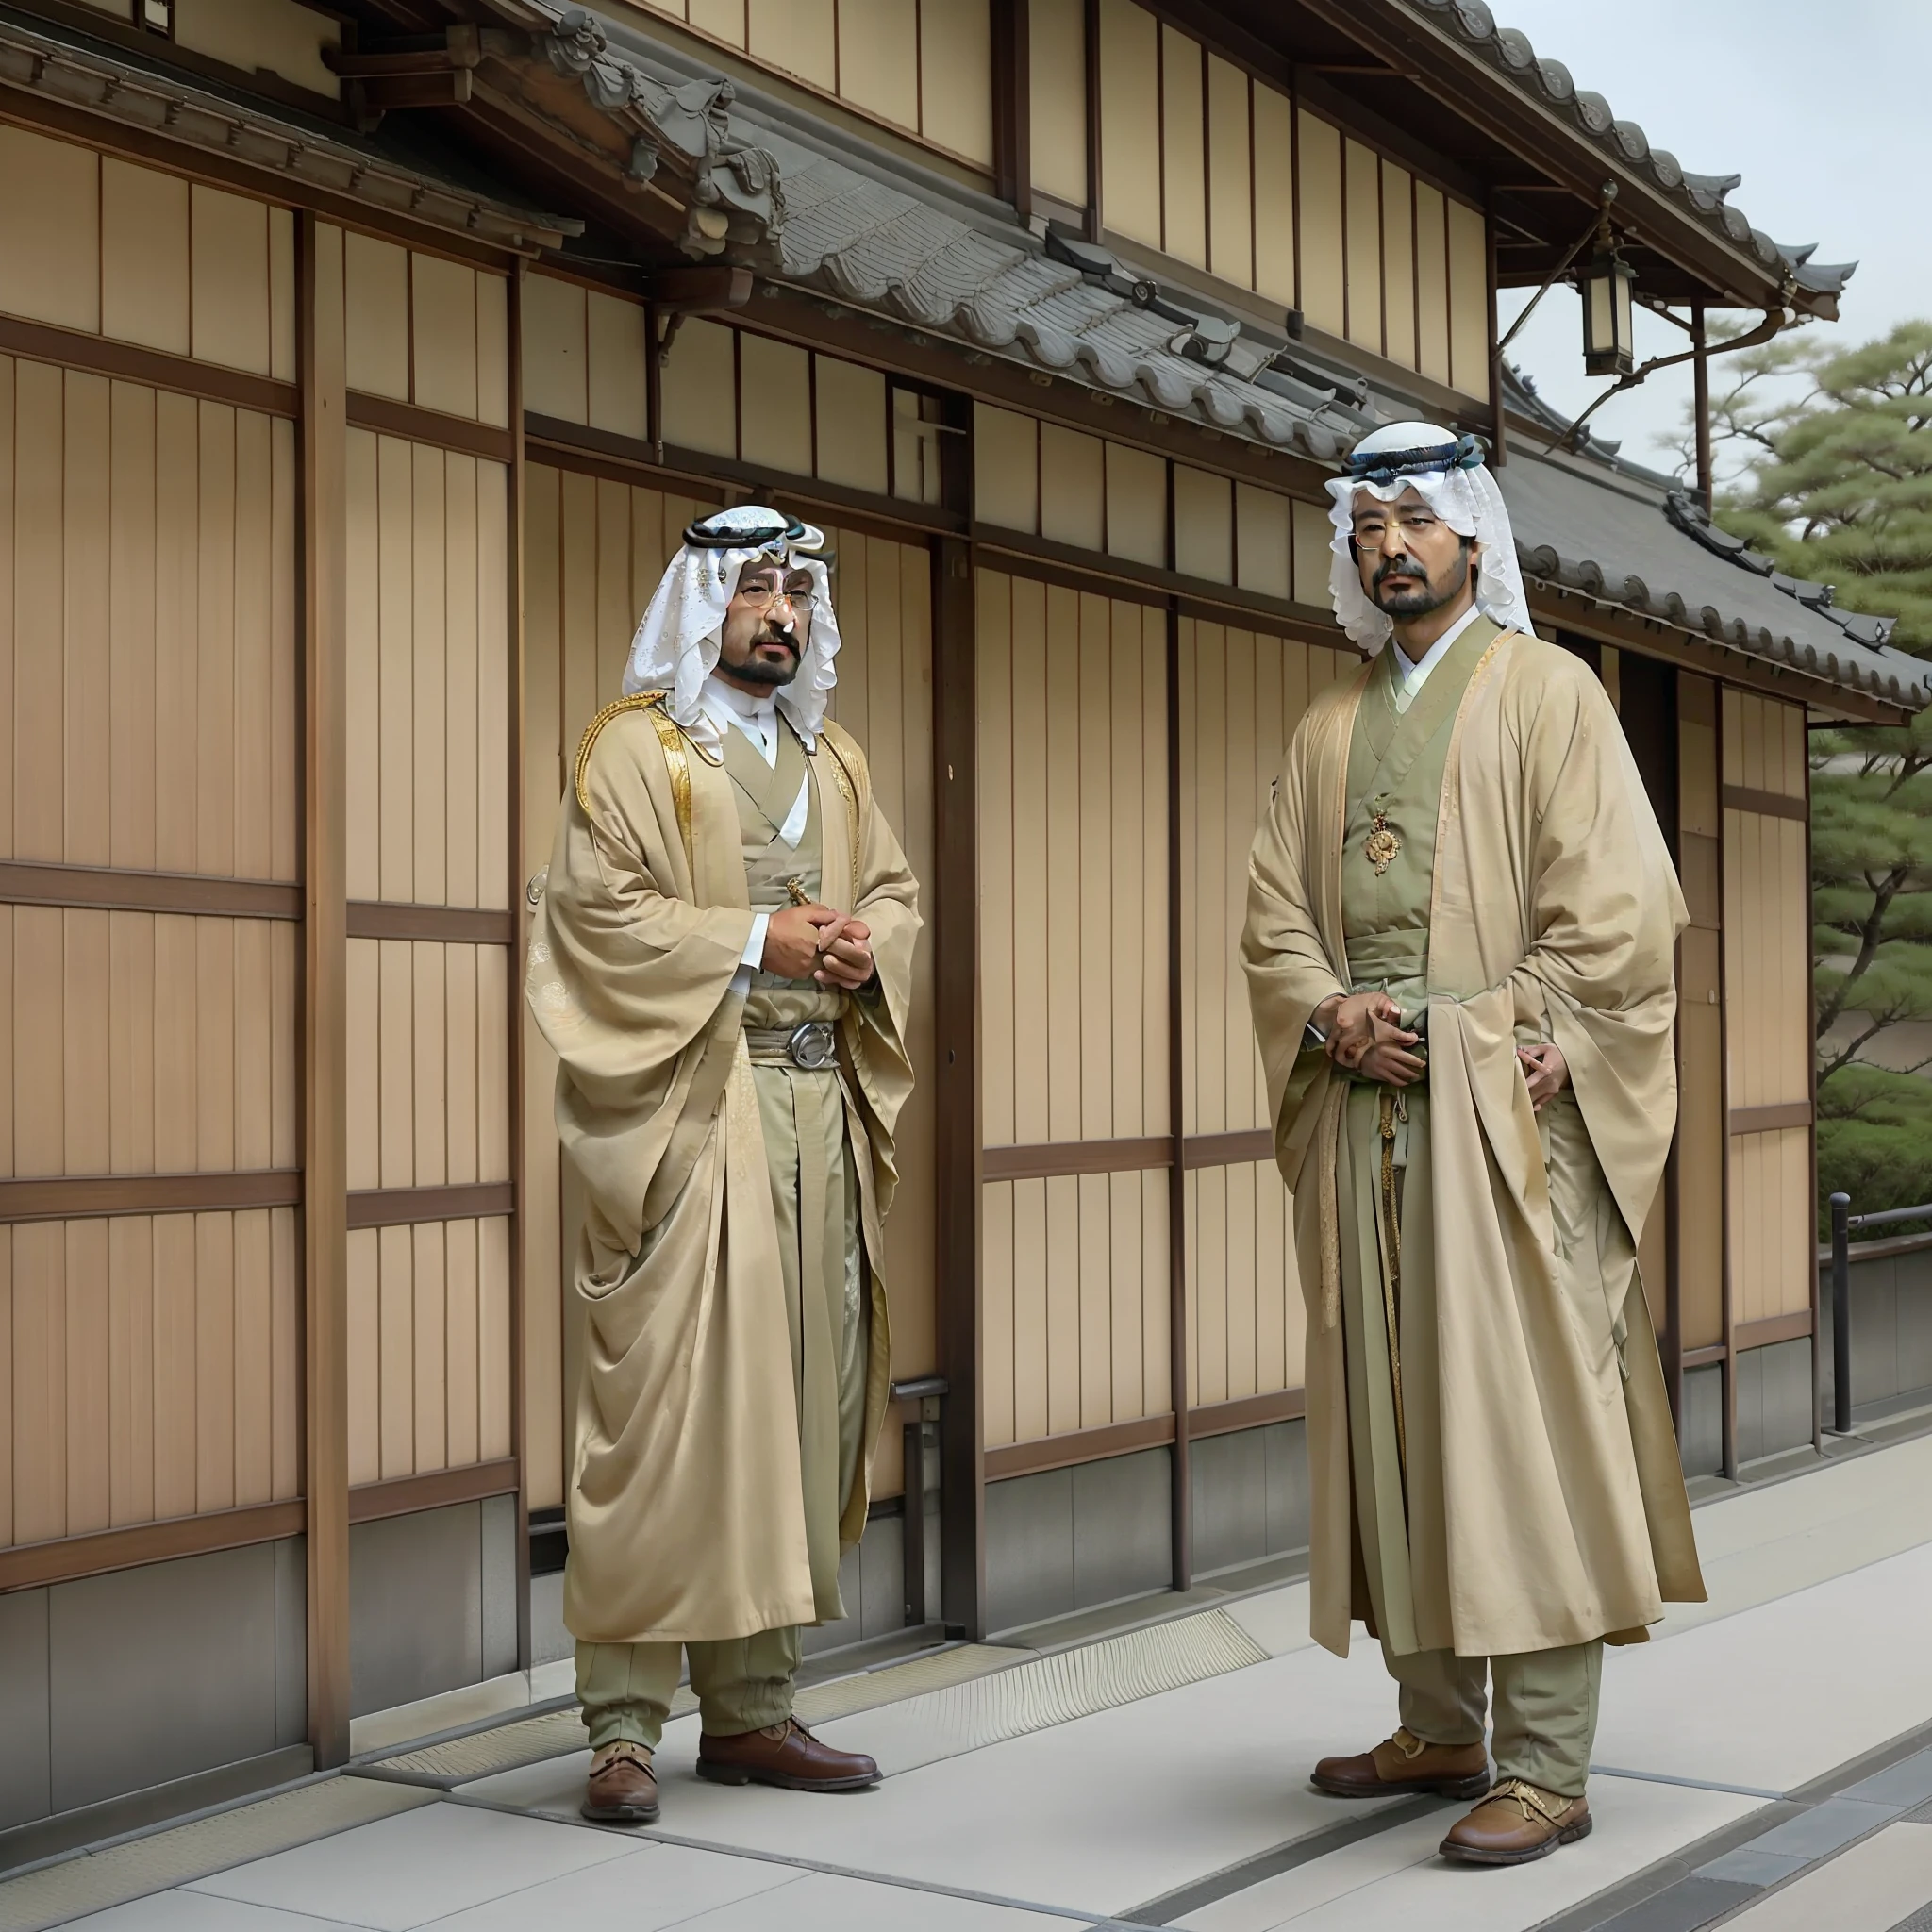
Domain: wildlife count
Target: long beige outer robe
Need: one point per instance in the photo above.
(685, 1502)
(1554, 904)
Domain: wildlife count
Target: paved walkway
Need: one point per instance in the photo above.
(1769, 1757)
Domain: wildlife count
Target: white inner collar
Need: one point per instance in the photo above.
(1414, 673)
(755, 717)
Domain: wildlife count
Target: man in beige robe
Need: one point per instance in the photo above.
(1459, 950)
(721, 961)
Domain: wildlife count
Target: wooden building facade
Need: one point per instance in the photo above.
(334, 486)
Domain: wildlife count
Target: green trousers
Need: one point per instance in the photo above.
(743, 1684)
(1545, 1707)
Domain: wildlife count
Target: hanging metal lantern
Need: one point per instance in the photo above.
(1605, 285)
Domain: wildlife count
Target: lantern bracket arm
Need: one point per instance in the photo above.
(1598, 228)
(1775, 320)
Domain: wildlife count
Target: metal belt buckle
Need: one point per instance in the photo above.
(813, 1045)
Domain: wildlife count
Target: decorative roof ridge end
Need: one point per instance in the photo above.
(737, 196)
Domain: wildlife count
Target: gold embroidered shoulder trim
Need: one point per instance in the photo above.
(677, 758)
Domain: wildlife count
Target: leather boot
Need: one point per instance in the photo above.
(1516, 1822)
(784, 1755)
(1406, 1765)
(623, 1789)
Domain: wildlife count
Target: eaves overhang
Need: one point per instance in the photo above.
(1486, 72)
(74, 76)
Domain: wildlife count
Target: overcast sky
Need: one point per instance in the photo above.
(1822, 109)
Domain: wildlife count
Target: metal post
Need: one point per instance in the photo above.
(1840, 1314)
(926, 1392)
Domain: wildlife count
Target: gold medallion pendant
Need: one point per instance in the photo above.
(1381, 845)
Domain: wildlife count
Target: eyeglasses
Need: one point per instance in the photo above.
(761, 593)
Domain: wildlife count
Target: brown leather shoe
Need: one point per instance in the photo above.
(1404, 1764)
(621, 1791)
(1516, 1822)
(784, 1755)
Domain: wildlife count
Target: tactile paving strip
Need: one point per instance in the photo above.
(818, 1703)
(1056, 1690)
(93, 1881)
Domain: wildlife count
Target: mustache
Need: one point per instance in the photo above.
(1400, 567)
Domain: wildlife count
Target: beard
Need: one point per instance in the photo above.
(758, 670)
(1406, 593)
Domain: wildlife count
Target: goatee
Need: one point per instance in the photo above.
(758, 670)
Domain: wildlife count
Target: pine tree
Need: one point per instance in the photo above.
(1833, 483)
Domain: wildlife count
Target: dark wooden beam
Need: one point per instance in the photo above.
(1078, 1446)
(1089, 15)
(388, 417)
(1768, 1330)
(1012, 105)
(32, 1566)
(70, 348)
(1181, 1501)
(437, 1488)
(513, 861)
(111, 890)
(1770, 805)
(325, 981)
(701, 289)
(384, 919)
(1044, 1159)
(954, 909)
(1145, 1432)
(88, 1197)
(409, 1206)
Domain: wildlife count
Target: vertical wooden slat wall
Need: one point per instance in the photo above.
(428, 751)
(923, 67)
(1767, 894)
(1208, 163)
(1242, 693)
(1073, 880)
(148, 704)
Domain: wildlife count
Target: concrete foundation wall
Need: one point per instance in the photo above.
(432, 1602)
(1774, 1406)
(1071, 1539)
(1892, 1329)
(113, 1684)
(116, 1684)
(1773, 1398)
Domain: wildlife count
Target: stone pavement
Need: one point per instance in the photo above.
(1768, 1756)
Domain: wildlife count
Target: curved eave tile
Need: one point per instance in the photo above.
(1550, 81)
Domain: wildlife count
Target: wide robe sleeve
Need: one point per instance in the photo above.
(877, 1024)
(1601, 909)
(629, 980)
(1290, 968)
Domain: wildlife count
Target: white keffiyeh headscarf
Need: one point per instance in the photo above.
(1446, 472)
(677, 644)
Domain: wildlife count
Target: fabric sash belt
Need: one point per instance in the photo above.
(812, 1046)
